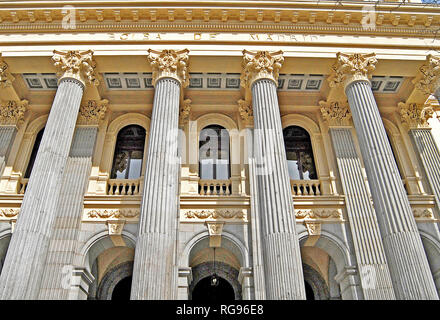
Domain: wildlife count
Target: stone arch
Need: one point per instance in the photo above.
(318, 284)
(234, 139)
(112, 278)
(27, 143)
(112, 133)
(322, 167)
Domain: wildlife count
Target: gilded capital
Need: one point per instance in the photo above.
(6, 77)
(12, 112)
(428, 79)
(246, 112)
(415, 115)
(170, 64)
(260, 65)
(351, 67)
(78, 65)
(92, 112)
(335, 113)
(184, 112)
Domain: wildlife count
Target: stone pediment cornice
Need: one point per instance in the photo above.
(277, 16)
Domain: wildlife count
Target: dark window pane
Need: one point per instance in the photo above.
(129, 151)
(34, 153)
(214, 160)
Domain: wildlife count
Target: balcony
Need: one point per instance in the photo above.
(305, 187)
(124, 187)
(215, 187)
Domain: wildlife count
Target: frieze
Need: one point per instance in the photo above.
(105, 214)
(227, 214)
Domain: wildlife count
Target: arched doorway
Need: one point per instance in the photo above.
(122, 289)
(205, 292)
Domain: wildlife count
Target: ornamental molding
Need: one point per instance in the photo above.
(423, 213)
(246, 112)
(428, 79)
(313, 228)
(6, 77)
(169, 64)
(106, 214)
(9, 213)
(78, 65)
(351, 67)
(115, 227)
(317, 214)
(12, 112)
(92, 112)
(227, 214)
(260, 65)
(416, 115)
(215, 230)
(185, 109)
(336, 113)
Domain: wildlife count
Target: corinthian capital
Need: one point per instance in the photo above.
(260, 65)
(91, 113)
(351, 67)
(428, 79)
(12, 112)
(78, 65)
(6, 77)
(335, 113)
(415, 115)
(169, 64)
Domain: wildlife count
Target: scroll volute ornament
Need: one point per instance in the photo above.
(78, 65)
(351, 67)
(428, 79)
(169, 64)
(260, 65)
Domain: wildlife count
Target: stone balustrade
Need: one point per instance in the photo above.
(215, 187)
(305, 187)
(124, 187)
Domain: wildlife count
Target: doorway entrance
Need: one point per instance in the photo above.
(122, 289)
(204, 291)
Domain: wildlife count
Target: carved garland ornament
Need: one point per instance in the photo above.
(351, 67)
(335, 112)
(260, 65)
(423, 213)
(9, 212)
(317, 213)
(428, 79)
(6, 77)
(170, 64)
(78, 65)
(12, 112)
(215, 214)
(416, 115)
(92, 112)
(112, 213)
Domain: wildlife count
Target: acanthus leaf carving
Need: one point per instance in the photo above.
(428, 79)
(260, 65)
(246, 112)
(92, 112)
(78, 65)
(335, 112)
(351, 67)
(12, 112)
(185, 109)
(170, 64)
(112, 213)
(324, 213)
(215, 214)
(416, 115)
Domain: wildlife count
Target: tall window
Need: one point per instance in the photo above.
(214, 153)
(129, 151)
(34, 154)
(300, 162)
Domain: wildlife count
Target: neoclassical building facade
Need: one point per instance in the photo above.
(219, 150)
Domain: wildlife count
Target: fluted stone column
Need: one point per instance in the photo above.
(370, 255)
(153, 271)
(281, 252)
(25, 261)
(406, 258)
(58, 280)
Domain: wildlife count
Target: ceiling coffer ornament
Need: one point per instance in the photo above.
(428, 79)
(184, 112)
(12, 112)
(78, 65)
(92, 112)
(416, 115)
(6, 77)
(169, 64)
(335, 113)
(260, 65)
(351, 67)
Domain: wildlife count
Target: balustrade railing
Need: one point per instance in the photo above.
(23, 185)
(305, 187)
(215, 187)
(124, 187)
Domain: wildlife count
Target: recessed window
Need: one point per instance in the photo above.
(300, 161)
(129, 152)
(214, 153)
